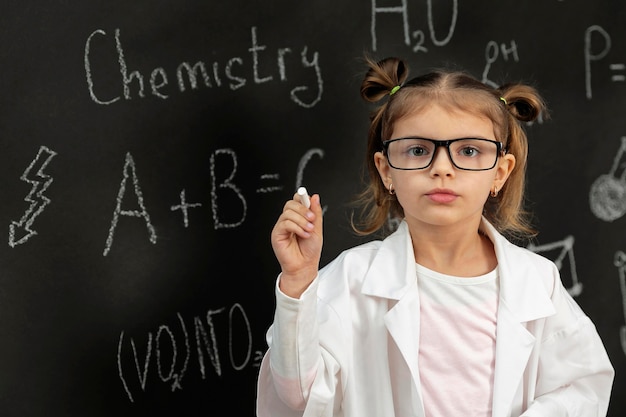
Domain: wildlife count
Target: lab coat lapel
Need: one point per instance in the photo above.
(522, 299)
(402, 322)
(513, 347)
(392, 276)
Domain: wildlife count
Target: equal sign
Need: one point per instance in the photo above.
(618, 67)
(269, 189)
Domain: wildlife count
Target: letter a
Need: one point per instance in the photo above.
(129, 165)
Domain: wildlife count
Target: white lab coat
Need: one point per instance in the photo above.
(358, 324)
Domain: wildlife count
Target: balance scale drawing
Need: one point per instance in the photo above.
(564, 252)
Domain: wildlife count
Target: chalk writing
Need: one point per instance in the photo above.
(565, 248)
(170, 368)
(129, 165)
(492, 52)
(607, 196)
(221, 188)
(195, 74)
(304, 161)
(592, 56)
(618, 77)
(184, 207)
(620, 262)
(20, 231)
(229, 185)
(418, 35)
(271, 188)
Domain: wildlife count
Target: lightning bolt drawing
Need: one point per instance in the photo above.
(20, 231)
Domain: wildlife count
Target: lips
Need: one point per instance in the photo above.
(439, 195)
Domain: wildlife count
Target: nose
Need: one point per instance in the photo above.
(441, 164)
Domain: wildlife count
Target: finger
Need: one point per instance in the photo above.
(295, 211)
(291, 223)
(298, 204)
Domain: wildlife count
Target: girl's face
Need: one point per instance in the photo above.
(441, 194)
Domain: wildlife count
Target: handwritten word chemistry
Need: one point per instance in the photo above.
(232, 74)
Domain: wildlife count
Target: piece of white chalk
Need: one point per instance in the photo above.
(304, 197)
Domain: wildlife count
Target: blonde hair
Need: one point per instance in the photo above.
(507, 107)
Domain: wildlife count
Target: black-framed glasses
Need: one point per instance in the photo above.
(470, 154)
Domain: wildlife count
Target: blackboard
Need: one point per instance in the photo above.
(148, 147)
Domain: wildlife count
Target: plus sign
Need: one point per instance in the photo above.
(184, 206)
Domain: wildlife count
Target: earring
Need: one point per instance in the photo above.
(391, 190)
(494, 192)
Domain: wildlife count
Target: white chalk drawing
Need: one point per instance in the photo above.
(272, 188)
(593, 56)
(20, 231)
(170, 369)
(564, 248)
(419, 35)
(492, 52)
(224, 187)
(184, 207)
(620, 262)
(232, 73)
(607, 196)
(227, 184)
(129, 172)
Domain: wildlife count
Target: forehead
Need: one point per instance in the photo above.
(443, 122)
(416, 101)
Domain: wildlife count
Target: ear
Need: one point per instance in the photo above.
(506, 163)
(383, 168)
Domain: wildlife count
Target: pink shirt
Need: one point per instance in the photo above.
(457, 343)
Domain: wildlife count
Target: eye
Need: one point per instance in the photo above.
(468, 151)
(417, 150)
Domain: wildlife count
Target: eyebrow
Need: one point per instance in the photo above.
(444, 140)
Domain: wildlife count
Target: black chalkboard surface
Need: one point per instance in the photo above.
(148, 147)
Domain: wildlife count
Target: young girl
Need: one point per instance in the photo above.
(444, 317)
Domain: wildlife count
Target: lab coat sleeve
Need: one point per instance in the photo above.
(298, 377)
(575, 376)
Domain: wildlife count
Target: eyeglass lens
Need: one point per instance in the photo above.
(417, 153)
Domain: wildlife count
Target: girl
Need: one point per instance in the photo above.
(444, 317)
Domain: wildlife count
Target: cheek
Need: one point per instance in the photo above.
(409, 186)
(404, 181)
(473, 184)
(481, 182)
(482, 187)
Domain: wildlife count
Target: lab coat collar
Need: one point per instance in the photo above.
(393, 269)
(392, 273)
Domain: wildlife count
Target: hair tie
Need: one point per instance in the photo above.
(393, 90)
(503, 99)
